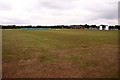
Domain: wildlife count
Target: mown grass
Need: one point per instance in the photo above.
(86, 50)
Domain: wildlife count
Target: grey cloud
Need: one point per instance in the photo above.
(57, 4)
(59, 11)
(109, 15)
(108, 11)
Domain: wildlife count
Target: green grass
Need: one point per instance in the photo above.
(82, 48)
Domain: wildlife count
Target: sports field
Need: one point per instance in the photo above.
(65, 53)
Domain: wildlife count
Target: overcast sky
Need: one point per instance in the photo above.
(58, 12)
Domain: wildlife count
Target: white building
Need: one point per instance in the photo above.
(107, 28)
(100, 28)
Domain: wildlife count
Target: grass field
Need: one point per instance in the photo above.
(60, 53)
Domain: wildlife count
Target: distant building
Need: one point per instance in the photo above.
(100, 28)
(107, 28)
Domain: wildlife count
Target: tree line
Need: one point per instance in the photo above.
(117, 27)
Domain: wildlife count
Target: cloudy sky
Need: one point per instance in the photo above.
(58, 12)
